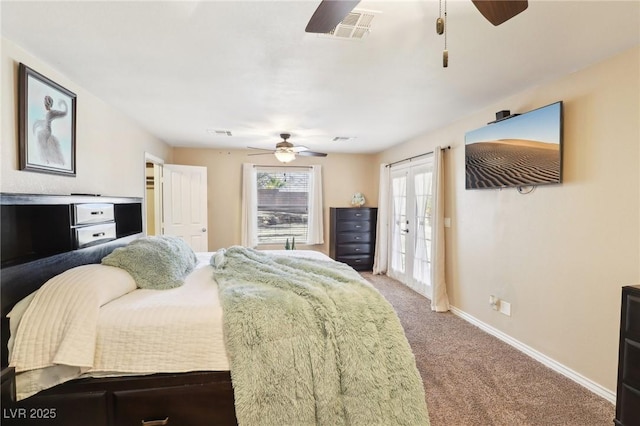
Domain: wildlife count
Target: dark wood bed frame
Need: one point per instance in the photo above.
(31, 255)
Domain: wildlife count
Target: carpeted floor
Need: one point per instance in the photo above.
(474, 379)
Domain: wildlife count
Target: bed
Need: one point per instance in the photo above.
(270, 346)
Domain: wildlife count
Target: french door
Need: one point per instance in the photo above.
(411, 231)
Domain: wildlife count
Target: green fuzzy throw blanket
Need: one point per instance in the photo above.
(311, 342)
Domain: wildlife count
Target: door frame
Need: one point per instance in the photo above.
(407, 277)
(157, 205)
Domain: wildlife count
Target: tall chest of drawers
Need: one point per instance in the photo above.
(628, 392)
(353, 236)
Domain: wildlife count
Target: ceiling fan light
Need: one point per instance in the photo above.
(285, 156)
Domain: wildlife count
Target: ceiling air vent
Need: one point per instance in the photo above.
(219, 132)
(355, 25)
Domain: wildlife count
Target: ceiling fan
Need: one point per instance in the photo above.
(331, 12)
(286, 152)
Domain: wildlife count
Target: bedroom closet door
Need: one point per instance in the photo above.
(184, 196)
(410, 254)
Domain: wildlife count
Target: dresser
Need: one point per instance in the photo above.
(352, 237)
(628, 392)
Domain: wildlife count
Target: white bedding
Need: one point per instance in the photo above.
(140, 332)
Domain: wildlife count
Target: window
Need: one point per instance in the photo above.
(283, 205)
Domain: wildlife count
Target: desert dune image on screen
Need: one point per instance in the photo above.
(519, 151)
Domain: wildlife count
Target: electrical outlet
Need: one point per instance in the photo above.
(505, 308)
(493, 302)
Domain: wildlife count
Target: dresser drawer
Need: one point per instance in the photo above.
(357, 261)
(180, 406)
(351, 226)
(631, 368)
(346, 249)
(94, 234)
(354, 214)
(84, 214)
(353, 237)
(629, 406)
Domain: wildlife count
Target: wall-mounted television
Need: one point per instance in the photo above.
(519, 150)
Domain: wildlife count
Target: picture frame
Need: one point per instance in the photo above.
(47, 124)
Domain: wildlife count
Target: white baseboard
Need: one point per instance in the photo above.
(539, 356)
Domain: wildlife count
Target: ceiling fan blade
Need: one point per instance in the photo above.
(329, 14)
(299, 148)
(311, 154)
(499, 11)
(262, 153)
(261, 149)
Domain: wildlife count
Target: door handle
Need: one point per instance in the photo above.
(156, 422)
(204, 229)
(406, 231)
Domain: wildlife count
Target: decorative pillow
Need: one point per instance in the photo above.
(159, 263)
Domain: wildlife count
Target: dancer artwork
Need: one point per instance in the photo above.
(47, 125)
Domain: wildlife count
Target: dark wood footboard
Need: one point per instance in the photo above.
(186, 399)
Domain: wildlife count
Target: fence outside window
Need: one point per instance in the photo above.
(283, 206)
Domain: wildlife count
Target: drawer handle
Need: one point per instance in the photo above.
(357, 249)
(97, 212)
(99, 234)
(156, 422)
(358, 226)
(358, 214)
(356, 238)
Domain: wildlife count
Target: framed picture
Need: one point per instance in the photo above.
(47, 118)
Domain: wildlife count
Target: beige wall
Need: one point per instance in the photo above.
(342, 176)
(561, 254)
(109, 146)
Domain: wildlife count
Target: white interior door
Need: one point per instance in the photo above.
(185, 204)
(411, 232)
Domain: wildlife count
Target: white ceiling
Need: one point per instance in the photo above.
(182, 68)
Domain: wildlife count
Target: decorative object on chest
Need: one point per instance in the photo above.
(357, 200)
(628, 392)
(353, 236)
